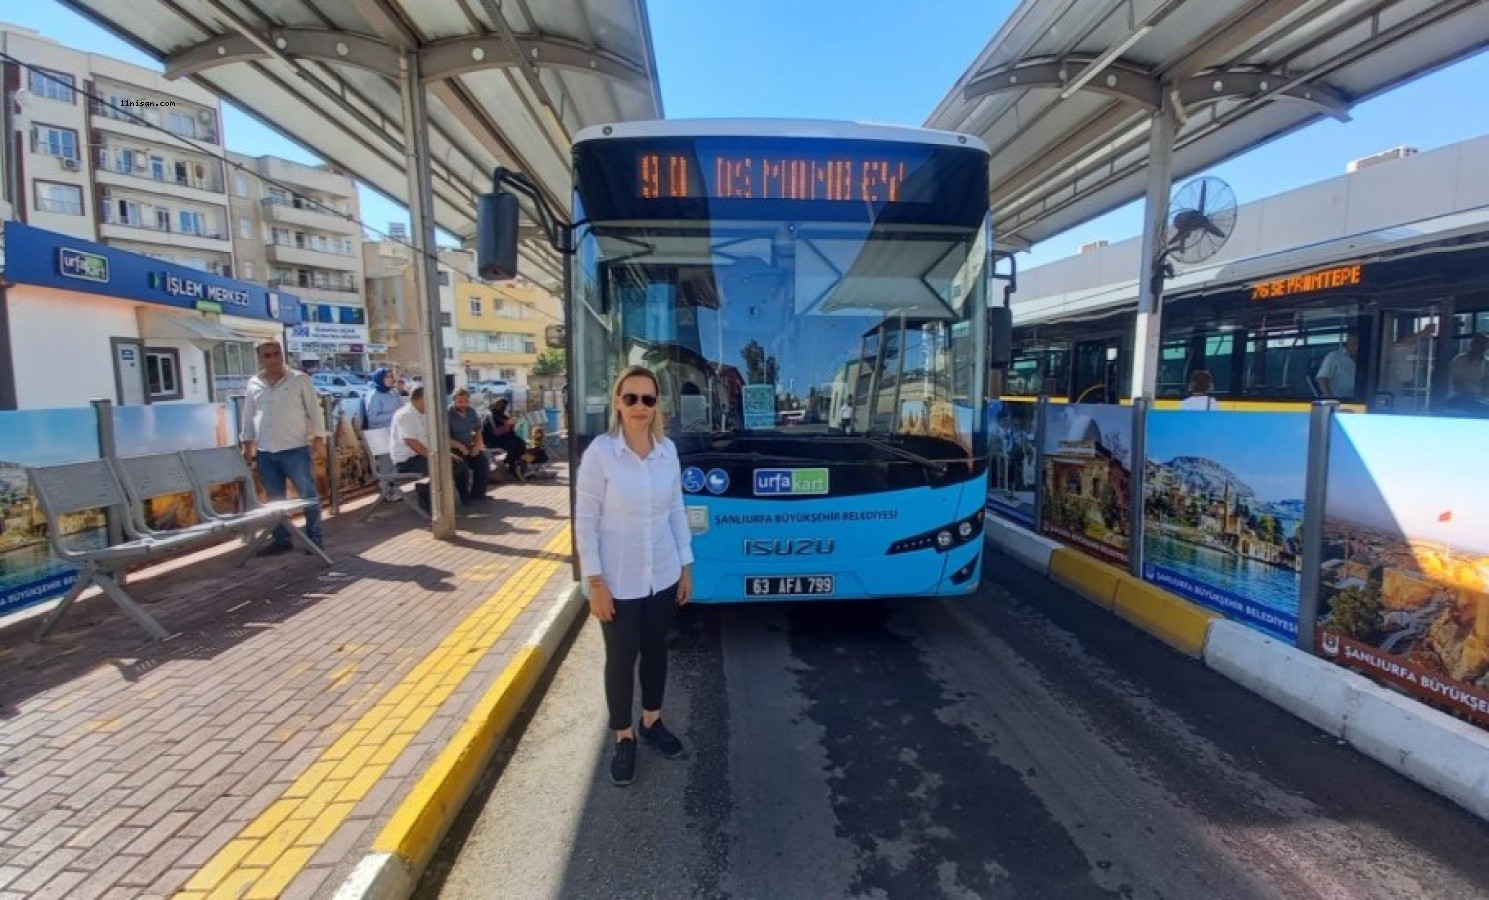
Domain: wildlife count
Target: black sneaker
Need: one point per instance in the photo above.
(623, 763)
(274, 548)
(662, 739)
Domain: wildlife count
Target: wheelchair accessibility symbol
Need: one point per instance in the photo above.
(692, 479)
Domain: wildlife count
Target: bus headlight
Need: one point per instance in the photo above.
(947, 537)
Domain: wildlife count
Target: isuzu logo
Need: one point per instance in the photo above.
(789, 546)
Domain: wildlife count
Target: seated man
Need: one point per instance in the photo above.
(467, 446)
(409, 437)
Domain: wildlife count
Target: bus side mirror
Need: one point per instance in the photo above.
(496, 236)
(1000, 336)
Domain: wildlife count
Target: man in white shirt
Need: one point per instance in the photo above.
(409, 437)
(1336, 377)
(282, 421)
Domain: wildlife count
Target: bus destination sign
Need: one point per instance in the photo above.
(1307, 283)
(836, 177)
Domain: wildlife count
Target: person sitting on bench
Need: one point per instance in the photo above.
(410, 447)
(500, 432)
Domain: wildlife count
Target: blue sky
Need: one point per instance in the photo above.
(887, 61)
(1378, 477)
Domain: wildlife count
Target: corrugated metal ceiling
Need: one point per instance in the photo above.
(1243, 73)
(510, 82)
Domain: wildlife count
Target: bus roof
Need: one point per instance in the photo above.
(777, 128)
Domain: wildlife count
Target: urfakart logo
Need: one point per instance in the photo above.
(790, 546)
(784, 482)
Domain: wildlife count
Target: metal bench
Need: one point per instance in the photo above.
(213, 466)
(378, 445)
(79, 487)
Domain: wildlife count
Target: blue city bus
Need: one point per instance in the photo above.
(814, 300)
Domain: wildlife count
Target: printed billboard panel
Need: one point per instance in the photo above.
(1223, 522)
(1013, 473)
(1404, 591)
(166, 428)
(29, 574)
(1087, 478)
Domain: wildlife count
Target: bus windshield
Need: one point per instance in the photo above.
(782, 326)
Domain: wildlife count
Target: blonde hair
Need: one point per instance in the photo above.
(658, 427)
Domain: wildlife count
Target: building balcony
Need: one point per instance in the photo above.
(289, 255)
(107, 118)
(143, 183)
(114, 227)
(279, 212)
(312, 294)
(314, 180)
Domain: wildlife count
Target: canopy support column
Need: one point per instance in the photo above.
(1155, 231)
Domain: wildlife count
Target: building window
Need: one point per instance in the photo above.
(233, 363)
(444, 320)
(193, 223)
(475, 307)
(163, 373)
(444, 278)
(162, 219)
(248, 270)
(245, 228)
(59, 142)
(240, 184)
(352, 315)
(51, 85)
(449, 353)
(182, 124)
(59, 198)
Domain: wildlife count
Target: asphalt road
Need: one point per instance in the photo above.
(1020, 743)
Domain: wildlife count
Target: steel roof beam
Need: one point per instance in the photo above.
(441, 59)
(1132, 83)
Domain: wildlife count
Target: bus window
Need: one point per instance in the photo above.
(1038, 370)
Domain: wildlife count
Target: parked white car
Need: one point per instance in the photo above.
(339, 384)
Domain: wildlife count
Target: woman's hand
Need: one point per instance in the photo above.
(685, 586)
(601, 603)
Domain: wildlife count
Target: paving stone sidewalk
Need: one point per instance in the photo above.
(138, 769)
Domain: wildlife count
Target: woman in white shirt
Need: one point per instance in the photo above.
(1200, 385)
(636, 557)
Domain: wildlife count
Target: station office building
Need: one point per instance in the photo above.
(80, 321)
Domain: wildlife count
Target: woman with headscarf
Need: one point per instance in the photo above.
(382, 401)
(500, 431)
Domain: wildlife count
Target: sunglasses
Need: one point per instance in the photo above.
(632, 399)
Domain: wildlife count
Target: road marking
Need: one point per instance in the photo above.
(272, 849)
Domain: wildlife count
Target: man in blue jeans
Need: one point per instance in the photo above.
(282, 422)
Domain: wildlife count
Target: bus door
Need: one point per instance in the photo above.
(1096, 371)
(1407, 360)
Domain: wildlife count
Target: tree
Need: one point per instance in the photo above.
(550, 362)
(1356, 613)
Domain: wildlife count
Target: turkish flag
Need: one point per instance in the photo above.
(1445, 516)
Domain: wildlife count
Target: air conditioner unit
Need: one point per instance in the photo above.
(204, 115)
(70, 164)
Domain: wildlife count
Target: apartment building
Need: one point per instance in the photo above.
(501, 328)
(394, 307)
(295, 227)
(114, 153)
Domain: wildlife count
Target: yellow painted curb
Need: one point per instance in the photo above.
(1094, 580)
(427, 812)
(1176, 622)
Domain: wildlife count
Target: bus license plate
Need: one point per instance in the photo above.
(789, 586)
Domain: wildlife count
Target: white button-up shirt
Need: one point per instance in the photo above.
(283, 415)
(408, 422)
(629, 520)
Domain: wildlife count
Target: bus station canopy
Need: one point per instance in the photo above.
(1066, 92)
(509, 84)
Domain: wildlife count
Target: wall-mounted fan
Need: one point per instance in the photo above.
(1201, 217)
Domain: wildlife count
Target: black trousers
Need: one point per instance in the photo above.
(420, 465)
(639, 628)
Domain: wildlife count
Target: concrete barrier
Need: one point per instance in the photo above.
(1177, 623)
(1033, 550)
(1314, 690)
(1096, 581)
(1432, 748)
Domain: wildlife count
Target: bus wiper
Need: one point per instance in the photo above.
(748, 456)
(934, 465)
